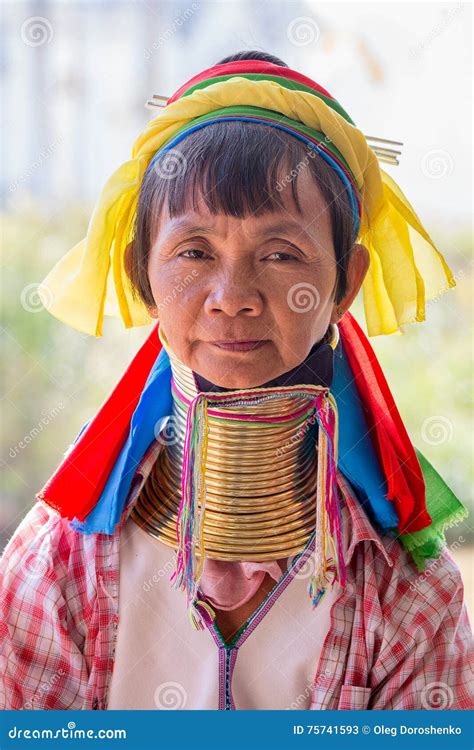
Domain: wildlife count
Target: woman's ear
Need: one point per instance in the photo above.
(359, 261)
(153, 311)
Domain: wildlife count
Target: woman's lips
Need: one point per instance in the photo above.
(239, 346)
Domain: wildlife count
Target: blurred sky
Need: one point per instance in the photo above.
(75, 77)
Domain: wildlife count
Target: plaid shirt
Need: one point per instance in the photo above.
(398, 639)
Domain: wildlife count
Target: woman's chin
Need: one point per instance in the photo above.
(236, 375)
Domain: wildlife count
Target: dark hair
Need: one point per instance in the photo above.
(254, 155)
(253, 55)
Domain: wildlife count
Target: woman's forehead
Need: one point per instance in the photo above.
(258, 227)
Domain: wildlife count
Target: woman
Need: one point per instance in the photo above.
(252, 452)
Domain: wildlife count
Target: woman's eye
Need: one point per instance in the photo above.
(286, 256)
(192, 250)
(194, 253)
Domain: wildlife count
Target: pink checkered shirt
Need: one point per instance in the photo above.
(398, 639)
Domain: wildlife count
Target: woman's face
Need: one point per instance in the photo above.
(269, 278)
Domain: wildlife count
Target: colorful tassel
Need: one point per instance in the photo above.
(329, 565)
(190, 522)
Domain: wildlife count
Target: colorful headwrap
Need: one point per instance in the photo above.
(405, 269)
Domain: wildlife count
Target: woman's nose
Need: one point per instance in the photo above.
(233, 296)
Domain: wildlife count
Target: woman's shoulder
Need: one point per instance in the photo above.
(417, 595)
(48, 606)
(45, 553)
(421, 605)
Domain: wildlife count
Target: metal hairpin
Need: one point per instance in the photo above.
(380, 146)
(382, 151)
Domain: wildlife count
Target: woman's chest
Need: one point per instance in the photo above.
(161, 658)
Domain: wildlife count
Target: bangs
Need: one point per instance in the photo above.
(237, 168)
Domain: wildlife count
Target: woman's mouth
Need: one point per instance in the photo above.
(239, 346)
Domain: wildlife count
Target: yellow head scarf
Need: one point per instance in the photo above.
(405, 269)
